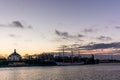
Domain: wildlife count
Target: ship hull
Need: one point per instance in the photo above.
(69, 64)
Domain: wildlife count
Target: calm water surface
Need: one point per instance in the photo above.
(83, 72)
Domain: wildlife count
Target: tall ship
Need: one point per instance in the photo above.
(69, 60)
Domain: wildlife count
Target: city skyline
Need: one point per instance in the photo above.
(38, 26)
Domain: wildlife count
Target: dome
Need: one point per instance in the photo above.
(15, 53)
(14, 56)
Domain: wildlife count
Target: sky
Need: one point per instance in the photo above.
(36, 26)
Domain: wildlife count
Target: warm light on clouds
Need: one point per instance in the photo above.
(42, 26)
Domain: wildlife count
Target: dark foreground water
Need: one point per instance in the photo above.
(83, 72)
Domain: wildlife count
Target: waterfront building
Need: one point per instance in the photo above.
(14, 56)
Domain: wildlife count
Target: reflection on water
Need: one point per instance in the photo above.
(83, 72)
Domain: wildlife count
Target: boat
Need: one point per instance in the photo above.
(69, 64)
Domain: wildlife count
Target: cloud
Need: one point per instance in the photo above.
(14, 36)
(89, 30)
(67, 36)
(62, 34)
(17, 24)
(101, 46)
(80, 35)
(91, 43)
(104, 38)
(68, 47)
(30, 27)
(117, 27)
(117, 51)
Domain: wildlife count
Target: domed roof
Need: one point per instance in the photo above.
(14, 53)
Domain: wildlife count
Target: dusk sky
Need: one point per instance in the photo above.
(36, 26)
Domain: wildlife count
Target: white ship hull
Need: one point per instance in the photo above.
(69, 64)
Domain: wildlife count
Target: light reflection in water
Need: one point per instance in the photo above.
(83, 72)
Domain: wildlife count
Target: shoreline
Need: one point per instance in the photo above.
(8, 66)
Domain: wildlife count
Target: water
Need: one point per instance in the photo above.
(83, 72)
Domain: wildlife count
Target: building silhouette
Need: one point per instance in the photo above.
(14, 56)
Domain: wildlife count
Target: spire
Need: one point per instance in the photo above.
(14, 50)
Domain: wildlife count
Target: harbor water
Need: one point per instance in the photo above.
(82, 72)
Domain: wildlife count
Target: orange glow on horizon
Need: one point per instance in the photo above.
(23, 52)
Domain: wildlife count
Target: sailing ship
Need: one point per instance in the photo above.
(71, 62)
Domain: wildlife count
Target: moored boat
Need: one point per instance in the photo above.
(69, 64)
